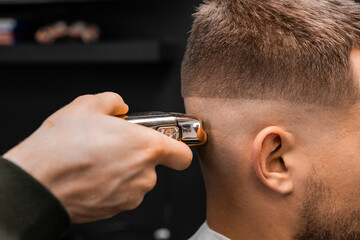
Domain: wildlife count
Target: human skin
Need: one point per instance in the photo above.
(94, 162)
(269, 162)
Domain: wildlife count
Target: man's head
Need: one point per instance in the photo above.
(277, 85)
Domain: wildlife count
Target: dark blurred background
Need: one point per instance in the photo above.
(136, 51)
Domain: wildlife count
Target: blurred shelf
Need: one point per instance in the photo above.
(4, 2)
(107, 52)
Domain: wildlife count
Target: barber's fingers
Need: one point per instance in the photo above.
(109, 103)
(174, 154)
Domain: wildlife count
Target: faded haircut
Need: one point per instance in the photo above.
(295, 50)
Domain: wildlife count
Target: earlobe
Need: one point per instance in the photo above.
(270, 159)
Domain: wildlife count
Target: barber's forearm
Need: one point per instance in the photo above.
(27, 209)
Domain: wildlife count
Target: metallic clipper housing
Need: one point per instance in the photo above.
(182, 127)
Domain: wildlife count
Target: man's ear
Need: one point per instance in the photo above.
(270, 159)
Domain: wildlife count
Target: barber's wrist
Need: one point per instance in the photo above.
(18, 169)
(27, 206)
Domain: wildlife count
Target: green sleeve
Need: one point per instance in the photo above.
(28, 210)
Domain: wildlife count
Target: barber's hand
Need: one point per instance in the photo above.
(95, 163)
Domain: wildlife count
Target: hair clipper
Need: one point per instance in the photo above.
(186, 128)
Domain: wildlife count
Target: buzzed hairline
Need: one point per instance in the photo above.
(285, 50)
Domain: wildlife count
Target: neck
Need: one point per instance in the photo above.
(247, 218)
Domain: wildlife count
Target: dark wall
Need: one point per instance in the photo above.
(33, 90)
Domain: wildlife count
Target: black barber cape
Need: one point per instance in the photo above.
(28, 210)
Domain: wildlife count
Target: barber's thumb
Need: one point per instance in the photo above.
(177, 155)
(109, 103)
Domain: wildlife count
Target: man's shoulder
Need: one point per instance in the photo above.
(205, 233)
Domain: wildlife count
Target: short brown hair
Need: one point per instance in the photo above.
(297, 50)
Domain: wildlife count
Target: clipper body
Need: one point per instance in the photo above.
(182, 127)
